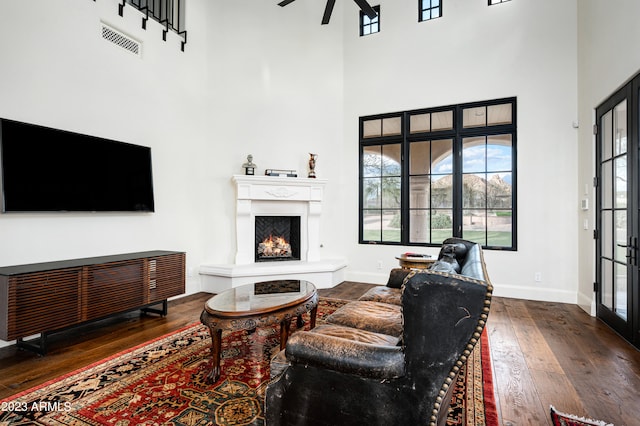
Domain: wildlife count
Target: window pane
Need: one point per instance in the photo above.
(391, 126)
(442, 156)
(474, 191)
(620, 165)
(419, 192)
(371, 193)
(607, 135)
(607, 185)
(474, 155)
(607, 283)
(620, 291)
(499, 191)
(442, 120)
(390, 192)
(499, 151)
(419, 158)
(442, 191)
(371, 225)
(441, 225)
(620, 127)
(419, 225)
(499, 114)
(391, 160)
(372, 161)
(420, 123)
(474, 225)
(372, 128)
(499, 226)
(474, 117)
(620, 218)
(607, 228)
(391, 225)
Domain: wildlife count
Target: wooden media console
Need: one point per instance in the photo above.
(41, 298)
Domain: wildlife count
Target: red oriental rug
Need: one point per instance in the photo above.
(163, 382)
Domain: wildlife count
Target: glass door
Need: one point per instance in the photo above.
(617, 213)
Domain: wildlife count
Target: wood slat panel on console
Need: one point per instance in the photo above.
(42, 301)
(113, 287)
(166, 277)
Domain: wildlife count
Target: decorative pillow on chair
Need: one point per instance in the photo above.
(562, 419)
(397, 276)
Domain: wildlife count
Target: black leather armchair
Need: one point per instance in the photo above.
(346, 375)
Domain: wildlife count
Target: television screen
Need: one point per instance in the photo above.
(45, 170)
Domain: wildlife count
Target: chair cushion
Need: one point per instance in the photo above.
(383, 295)
(384, 318)
(356, 334)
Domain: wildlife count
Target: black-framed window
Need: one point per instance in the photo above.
(429, 9)
(492, 2)
(430, 174)
(369, 25)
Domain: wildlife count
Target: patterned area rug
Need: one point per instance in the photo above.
(163, 383)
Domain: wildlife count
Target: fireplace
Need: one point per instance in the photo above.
(293, 206)
(277, 238)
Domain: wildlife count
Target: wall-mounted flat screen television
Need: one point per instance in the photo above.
(46, 170)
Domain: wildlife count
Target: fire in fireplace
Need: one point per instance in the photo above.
(277, 238)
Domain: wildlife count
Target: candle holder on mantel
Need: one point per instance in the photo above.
(312, 165)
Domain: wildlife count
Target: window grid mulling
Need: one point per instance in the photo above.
(368, 25)
(430, 9)
(468, 125)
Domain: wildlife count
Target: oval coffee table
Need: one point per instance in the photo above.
(257, 305)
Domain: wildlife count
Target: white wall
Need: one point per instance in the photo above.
(274, 91)
(609, 37)
(473, 53)
(57, 71)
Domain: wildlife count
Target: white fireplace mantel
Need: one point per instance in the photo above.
(276, 196)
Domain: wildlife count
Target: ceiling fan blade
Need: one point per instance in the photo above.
(366, 8)
(327, 11)
(283, 3)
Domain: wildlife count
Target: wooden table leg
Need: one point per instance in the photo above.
(285, 328)
(216, 347)
(312, 315)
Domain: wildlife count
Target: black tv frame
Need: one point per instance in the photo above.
(43, 169)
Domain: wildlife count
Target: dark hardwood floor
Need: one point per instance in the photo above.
(543, 353)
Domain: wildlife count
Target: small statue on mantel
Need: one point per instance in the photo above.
(312, 165)
(249, 166)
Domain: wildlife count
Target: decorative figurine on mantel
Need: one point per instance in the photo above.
(312, 165)
(249, 167)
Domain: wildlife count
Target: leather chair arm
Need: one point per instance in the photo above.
(345, 356)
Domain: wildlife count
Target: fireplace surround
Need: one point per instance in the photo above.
(282, 197)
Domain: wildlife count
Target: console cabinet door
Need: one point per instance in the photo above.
(166, 276)
(42, 301)
(113, 287)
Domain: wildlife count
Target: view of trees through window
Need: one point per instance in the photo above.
(414, 191)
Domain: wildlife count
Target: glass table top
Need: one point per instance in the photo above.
(260, 297)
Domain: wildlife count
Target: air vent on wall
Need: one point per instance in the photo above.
(120, 39)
